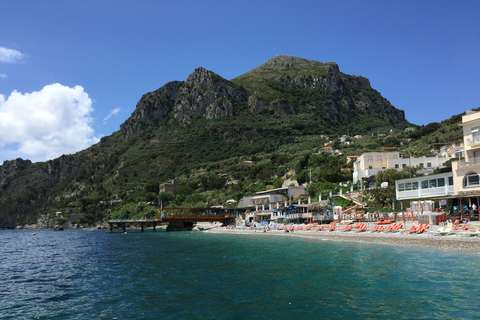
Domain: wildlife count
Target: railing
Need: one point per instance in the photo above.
(133, 220)
(471, 162)
(474, 139)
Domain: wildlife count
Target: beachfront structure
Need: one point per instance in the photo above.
(369, 164)
(463, 183)
(466, 172)
(265, 205)
(276, 197)
(435, 185)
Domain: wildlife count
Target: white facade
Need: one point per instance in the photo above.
(466, 172)
(435, 185)
(370, 163)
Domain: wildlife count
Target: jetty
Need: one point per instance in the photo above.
(178, 219)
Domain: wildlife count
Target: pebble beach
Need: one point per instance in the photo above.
(459, 241)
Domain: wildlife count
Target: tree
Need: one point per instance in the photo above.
(165, 197)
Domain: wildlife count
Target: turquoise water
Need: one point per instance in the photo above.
(79, 274)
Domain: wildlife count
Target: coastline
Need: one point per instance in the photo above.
(449, 242)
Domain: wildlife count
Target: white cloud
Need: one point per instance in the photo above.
(3, 76)
(47, 123)
(113, 112)
(10, 55)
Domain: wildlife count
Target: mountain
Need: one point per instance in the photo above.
(200, 132)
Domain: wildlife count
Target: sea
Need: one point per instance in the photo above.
(80, 274)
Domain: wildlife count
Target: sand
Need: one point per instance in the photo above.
(458, 241)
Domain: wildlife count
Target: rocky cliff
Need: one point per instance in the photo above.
(203, 94)
(282, 85)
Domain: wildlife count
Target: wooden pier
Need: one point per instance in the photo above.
(176, 222)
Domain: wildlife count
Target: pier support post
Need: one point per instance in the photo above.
(154, 226)
(141, 225)
(124, 227)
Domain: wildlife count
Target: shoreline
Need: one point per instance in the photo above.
(449, 242)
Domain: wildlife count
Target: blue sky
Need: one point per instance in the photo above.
(73, 71)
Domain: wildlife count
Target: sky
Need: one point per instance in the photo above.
(72, 71)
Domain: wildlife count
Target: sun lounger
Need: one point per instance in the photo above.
(319, 228)
(363, 227)
(346, 228)
(332, 226)
(462, 231)
(376, 228)
(412, 229)
(443, 231)
(422, 228)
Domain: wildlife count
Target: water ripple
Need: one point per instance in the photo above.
(93, 275)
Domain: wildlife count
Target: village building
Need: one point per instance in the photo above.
(463, 183)
(170, 186)
(366, 167)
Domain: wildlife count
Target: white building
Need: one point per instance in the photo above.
(466, 172)
(435, 185)
(463, 183)
(369, 164)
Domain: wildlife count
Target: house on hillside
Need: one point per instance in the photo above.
(366, 167)
(170, 186)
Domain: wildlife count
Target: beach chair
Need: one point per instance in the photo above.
(397, 227)
(332, 226)
(461, 231)
(422, 228)
(412, 228)
(319, 228)
(390, 228)
(363, 227)
(346, 228)
(443, 231)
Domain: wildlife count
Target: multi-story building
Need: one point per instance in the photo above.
(463, 183)
(369, 164)
(466, 172)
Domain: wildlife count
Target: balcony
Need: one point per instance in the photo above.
(470, 162)
(473, 141)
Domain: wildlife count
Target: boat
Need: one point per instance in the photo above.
(383, 221)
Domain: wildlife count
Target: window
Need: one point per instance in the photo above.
(401, 187)
(475, 134)
(370, 167)
(471, 180)
(415, 185)
(441, 182)
(424, 184)
(408, 186)
(370, 158)
(429, 164)
(396, 166)
(433, 183)
(420, 165)
(450, 181)
(404, 165)
(379, 158)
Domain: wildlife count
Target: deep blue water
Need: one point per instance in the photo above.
(79, 274)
